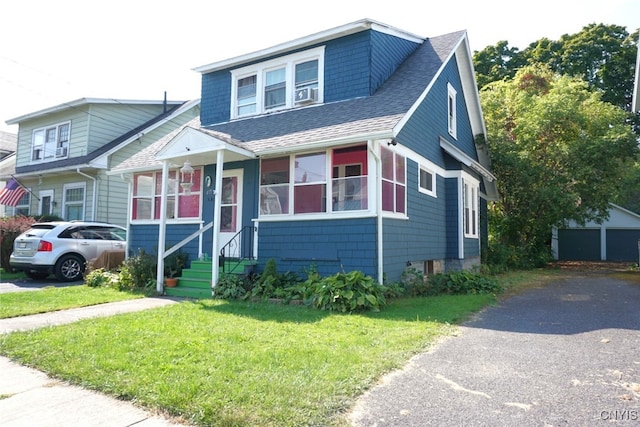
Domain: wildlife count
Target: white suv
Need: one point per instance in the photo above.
(64, 247)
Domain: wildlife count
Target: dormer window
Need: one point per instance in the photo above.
(51, 143)
(286, 82)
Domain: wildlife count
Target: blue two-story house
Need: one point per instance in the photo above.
(357, 148)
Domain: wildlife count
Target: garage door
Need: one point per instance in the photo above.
(578, 245)
(622, 245)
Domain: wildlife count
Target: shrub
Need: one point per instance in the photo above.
(348, 292)
(412, 280)
(138, 271)
(102, 278)
(232, 286)
(10, 228)
(463, 282)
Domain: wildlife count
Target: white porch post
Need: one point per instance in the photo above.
(162, 231)
(217, 201)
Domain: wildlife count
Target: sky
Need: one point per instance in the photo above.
(52, 52)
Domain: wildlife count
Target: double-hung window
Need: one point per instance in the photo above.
(73, 201)
(147, 196)
(427, 181)
(470, 200)
(451, 110)
(394, 180)
(51, 142)
(277, 84)
(23, 206)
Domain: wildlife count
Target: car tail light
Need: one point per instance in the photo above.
(45, 246)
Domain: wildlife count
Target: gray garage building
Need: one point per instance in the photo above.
(616, 239)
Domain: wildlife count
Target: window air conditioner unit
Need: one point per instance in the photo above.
(61, 152)
(306, 94)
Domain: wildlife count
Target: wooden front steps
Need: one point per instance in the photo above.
(195, 281)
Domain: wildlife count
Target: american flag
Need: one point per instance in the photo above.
(11, 194)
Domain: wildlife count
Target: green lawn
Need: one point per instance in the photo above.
(218, 363)
(14, 304)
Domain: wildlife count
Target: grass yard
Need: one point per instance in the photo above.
(218, 363)
(14, 304)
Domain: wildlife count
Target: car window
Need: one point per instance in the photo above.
(117, 233)
(37, 231)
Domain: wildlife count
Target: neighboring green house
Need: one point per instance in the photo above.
(64, 152)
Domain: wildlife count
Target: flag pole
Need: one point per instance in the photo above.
(26, 188)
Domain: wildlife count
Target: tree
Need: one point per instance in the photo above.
(603, 55)
(558, 152)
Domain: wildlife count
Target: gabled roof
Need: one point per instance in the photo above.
(85, 101)
(360, 117)
(94, 159)
(8, 142)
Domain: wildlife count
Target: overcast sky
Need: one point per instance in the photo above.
(53, 52)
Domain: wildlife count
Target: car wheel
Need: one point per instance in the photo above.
(69, 268)
(36, 275)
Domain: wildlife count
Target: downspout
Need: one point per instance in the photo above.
(162, 229)
(217, 201)
(95, 189)
(378, 199)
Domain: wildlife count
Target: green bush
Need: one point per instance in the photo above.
(412, 280)
(347, 292)
(232, 286)
(138, 271)
(463, 282)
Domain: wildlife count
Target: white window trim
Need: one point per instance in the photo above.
(452, 119)
(71, 186)
(260, 69)
(329, 213)
(433, 192)
(43, 194)
(473, 197)
(176, 194)
(44, 159)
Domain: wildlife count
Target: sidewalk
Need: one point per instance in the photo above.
(30, 398)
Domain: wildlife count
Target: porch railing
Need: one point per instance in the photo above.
(238, 249)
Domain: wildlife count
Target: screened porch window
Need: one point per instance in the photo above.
(393, 181)
(308, 193)
(147, 196)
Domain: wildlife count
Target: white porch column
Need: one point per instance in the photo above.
(162, 228)
(217, 201)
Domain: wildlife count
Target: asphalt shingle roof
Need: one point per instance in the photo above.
(379, 112)
(296, 127)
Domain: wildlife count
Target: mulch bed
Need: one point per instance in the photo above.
(590, 265)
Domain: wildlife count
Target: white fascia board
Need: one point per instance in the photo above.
(462, 157)
(82, 101)
(310, 40)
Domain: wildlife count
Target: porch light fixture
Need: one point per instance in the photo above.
(186, 177)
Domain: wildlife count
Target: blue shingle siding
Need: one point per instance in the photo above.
(471, 248)
(146, 237)
(354, 66)
(215, 104)
(332, 245)
(387, 53)
(423, 236)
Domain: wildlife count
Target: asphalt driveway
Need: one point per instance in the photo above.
(564, 355)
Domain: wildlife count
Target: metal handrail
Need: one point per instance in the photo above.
(243, 239)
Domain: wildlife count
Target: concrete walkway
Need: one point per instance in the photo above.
(29, 398)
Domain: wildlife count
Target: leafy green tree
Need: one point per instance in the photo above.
(559, 153)
(495, 63)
